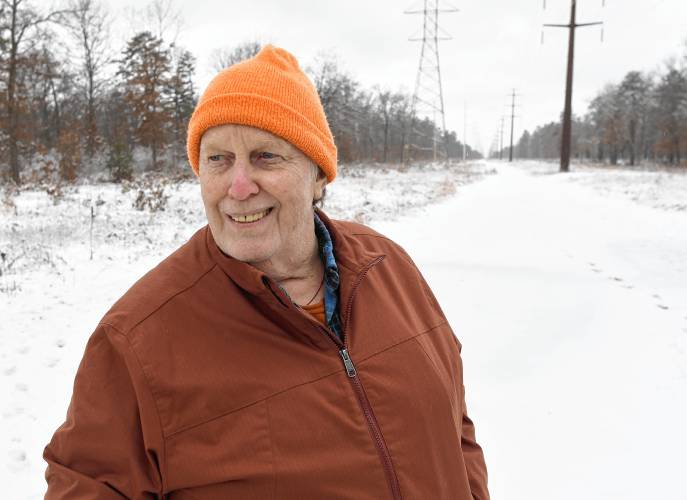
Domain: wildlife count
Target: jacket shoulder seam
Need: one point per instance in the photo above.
(164, 302)
(398, 247)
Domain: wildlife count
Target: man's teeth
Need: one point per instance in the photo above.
(251, 217)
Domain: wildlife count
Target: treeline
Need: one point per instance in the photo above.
(641, 118)
(376, 124)
(71, 105)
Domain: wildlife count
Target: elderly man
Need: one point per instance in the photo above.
(278, 354)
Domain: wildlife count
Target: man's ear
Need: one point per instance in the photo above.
(320, 183)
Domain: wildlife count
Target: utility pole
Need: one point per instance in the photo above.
(513, 95)
(501, 142)
(465, 121)
(567, 110)
(428, 97)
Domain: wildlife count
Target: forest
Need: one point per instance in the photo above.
(641, 118)
(86, 108)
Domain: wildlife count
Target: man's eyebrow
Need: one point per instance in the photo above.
(268, 143)
(259, 144)
(214, 146)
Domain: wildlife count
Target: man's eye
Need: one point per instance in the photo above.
(264, 155)
(215, 157)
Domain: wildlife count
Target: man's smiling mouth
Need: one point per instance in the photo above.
(253, 217)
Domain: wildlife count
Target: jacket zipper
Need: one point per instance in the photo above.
(352, 373)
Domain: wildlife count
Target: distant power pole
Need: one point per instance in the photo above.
(465, 121)
(428, 97)
(567, 111)
(501, 141)
(513, 95)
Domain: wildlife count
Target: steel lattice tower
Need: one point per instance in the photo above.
(428, 97)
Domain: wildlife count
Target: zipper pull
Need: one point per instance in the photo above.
(348, 363)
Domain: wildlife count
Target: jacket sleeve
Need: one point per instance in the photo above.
(474, 458)
(472, 451)
(110, 445)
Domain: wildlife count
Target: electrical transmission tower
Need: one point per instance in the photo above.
(567, 112)
(428, 97)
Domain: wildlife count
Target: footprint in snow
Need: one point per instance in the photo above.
(21, 386)
(23, 349)
(9, 370)
(51, 362)
(60, 343)
(615, 278)
(17, 460)
(662, 306)
(17, 455)
(592, 265)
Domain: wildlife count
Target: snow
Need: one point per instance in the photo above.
(568, 293)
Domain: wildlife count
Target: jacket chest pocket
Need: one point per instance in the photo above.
(229, 456)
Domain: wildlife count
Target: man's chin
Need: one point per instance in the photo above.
(245, 253)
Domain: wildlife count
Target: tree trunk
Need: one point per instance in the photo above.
(386, 138)
(91, 127)
(633, 141)
(11, 109)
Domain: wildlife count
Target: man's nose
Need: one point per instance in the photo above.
(242, 184)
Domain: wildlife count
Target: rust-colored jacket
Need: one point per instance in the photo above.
(204, 381)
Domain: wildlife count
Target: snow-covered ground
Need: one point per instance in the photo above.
(652, 185)
(568, 293)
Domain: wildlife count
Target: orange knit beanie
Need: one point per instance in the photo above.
(270, 92)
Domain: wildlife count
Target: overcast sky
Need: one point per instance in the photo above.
(495, 47)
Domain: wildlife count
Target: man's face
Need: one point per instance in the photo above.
(257, 190)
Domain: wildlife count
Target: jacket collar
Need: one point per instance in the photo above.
(348, 251)
(244, 275)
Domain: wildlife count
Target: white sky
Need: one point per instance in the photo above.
(495, 47)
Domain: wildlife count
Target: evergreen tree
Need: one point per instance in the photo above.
(145, 69)
(183, 98)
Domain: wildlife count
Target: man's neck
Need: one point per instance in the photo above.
(300, 275)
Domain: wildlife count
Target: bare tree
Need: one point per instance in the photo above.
(160, 17)
(634, 93)
(388, 106)
(671, 103)
(89, 24)
(166, 19)
(226, 56)
(19, 24)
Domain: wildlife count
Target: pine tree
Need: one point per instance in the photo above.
(145, 69)
(183, 98)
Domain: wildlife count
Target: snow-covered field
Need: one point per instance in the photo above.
(652, 185)
(568, 293)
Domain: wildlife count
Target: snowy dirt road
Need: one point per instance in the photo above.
(572, 311)
(570, 303)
